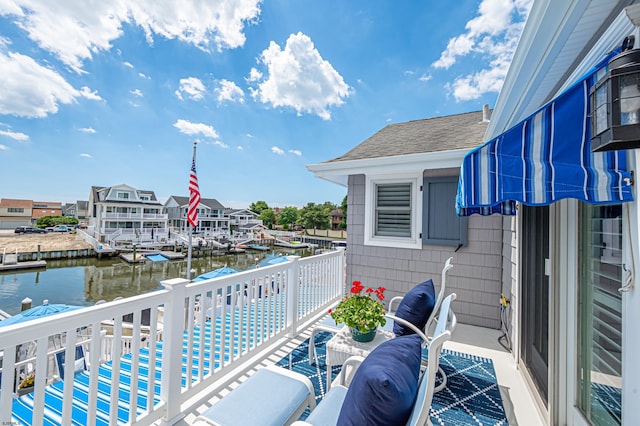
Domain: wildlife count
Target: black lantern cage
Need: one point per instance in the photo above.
(615, 103)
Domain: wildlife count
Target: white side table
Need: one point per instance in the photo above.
(342, 346)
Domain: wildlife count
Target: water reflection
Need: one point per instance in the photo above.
(83, 282)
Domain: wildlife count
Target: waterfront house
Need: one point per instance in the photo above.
(211, 214)
(77, 210)
(402, 225)
(122, 213)
(45, 208)
(568, 261)
(14, 213)
(242, 219)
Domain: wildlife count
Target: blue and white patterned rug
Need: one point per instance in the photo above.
(471, 397)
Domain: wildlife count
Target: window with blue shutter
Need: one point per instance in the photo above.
(440, 224)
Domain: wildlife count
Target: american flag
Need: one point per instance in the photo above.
(194, 193)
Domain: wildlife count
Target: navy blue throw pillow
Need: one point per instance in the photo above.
(416, 307)
(384, 388)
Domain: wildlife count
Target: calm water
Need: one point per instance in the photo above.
(83, 282)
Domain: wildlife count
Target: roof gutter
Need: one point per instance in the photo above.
(338, 171)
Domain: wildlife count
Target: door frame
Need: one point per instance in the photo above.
(548, 407)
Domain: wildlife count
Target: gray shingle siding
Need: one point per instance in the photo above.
(476, 277)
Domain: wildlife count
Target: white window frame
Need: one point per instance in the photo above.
(123, 195)
(412, 242)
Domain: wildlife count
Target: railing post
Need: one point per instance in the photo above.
(171, 384)
(342, 269)
(293, 287)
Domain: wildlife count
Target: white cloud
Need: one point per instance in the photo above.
(74, 30)
(128, 64)
(85, 92)
(4, 147)
(87, 130)
(229, 91)
(189, 128)
(191, 86)
(221, 144)
(250, 136)
(425, 77)
(14, 135)
(492, 35)
(136, 92)
(34, 91)
(277, 150)
(240, 148)
(143, 75)
(254, 75)
(295, 152)
(299, 78)
(85, 155)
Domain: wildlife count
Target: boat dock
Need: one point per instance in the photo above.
(35, 264)
(144, 256)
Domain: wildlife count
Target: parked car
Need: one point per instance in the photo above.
(29, 230)
(59, 228)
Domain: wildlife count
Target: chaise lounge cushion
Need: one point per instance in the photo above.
(416, 307)
(384, 387)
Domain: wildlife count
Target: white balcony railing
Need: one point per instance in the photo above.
(207, 329)
(134, 216)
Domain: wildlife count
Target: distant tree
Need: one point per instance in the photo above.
(45, 221)
(315, 216)
(288, 216)
(343, 224)
(328, 206)
(268, 217)
(258, 206)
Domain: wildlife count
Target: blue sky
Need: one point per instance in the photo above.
(116, 92)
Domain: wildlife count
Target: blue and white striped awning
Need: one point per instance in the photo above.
(545, 158)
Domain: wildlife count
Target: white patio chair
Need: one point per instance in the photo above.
(329, 325)
(328, 411)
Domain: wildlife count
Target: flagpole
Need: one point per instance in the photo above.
(191, 198)
(189, 254)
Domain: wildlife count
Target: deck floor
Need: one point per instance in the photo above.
(517, 399)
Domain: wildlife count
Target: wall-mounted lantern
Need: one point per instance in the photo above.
(615, 103)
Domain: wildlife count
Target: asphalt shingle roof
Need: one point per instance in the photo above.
(460, 131)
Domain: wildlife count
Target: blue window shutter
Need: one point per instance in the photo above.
(440, 224)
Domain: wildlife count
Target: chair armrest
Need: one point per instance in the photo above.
(425, 339)
(351, 363)
(392, 302)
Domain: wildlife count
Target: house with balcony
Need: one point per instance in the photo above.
(555, 181)
(123, 213)
(211, 215)
(242, 220)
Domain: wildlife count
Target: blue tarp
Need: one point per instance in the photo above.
(156, 257)
(43, 310)
(225, 270)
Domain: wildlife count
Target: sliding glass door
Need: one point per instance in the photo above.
(600, 314)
